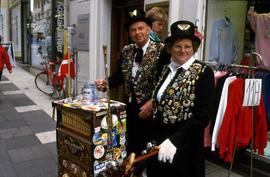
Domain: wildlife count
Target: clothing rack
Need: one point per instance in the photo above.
(251, 69)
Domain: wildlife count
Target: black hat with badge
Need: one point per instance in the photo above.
(183, 30)
(136, 16)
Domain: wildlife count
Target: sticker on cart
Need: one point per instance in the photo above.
(104, 124)
(97, 139)
(99, 151)
(74, 169)
(121, 126)
(123, 154)
(97, 129)
(117, 153)
(122, 138)
(99, 166)
(104, 137)
(109, 155)
(114, 139)
(84, 174)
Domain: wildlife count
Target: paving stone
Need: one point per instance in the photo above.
(33, 119)
(47, 137)
(12, 124)
(23, 131)
(27, 108)
(5, 82)
(37, 163)
(13, 92)
(40, 151)
(37, 113)
(21, 154)
(52, 148)
(29, 172)
(23, 141)
(41, 127)
(7, 133)
(7, 169)
(8, 87)
(19, 100)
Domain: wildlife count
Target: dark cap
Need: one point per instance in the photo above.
(136, 16)
(183, 30)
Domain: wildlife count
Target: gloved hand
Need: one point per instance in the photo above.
(166, 151)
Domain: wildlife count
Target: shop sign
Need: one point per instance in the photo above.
(83, 32)
(252, 92)
(60, 26)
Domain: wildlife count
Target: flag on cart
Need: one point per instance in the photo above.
(67, 67)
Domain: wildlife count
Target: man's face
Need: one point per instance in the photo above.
(139, 33)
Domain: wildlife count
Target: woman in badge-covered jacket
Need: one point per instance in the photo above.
(182, 102)
(4, 59)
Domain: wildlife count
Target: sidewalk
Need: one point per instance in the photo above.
(27, 132)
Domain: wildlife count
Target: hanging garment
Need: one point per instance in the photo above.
(237, 125)
(209, 128)
(221, 110)
(223, 45)
(260, 24)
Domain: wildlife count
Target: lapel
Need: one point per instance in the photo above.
(148, 59)
(163, 78)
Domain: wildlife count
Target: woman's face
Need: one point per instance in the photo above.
(157, 27)
(182, 50)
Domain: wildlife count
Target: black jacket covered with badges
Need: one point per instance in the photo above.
(146, 77)
(182, 115)
(138, 90)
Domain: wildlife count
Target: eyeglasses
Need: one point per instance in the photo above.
(185, 47)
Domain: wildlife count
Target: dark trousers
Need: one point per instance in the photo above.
(1, 74)
(138, 130)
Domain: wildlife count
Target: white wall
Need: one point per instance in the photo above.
(90, 63)
(16, 30)
(5, 23)
(236, 11)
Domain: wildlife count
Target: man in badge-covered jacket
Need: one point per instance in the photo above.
(139, 70)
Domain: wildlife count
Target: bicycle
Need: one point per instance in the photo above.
(52, 85)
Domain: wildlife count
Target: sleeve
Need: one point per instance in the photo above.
(260, 128)
(227, 132)
(6, 58)
(235, 47)
(193, 128)
(214, 45)
(117, 79)
(164, 59)
(252, 18)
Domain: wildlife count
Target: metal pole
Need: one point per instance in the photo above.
(109, 114)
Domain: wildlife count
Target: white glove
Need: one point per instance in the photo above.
(166, 151)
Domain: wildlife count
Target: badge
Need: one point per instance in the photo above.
(117, 153)
(97, 138)
(99, 151)
(104, 138)
(74, 169)
(123, 154)
(97, 129)
(99, 166)
(121, 126)
(84, 174)
(104, 124)
(122, 138)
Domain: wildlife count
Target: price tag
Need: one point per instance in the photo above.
(252, 92)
